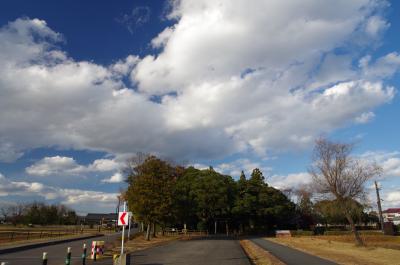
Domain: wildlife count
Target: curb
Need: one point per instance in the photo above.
(44, 244)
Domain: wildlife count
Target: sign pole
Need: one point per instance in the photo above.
(129, 225)
(123, 233)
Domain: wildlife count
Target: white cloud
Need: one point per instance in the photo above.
(375, 25)
(391, 199)
(365, 117)
(116, 178)
(85, 200)
(389, 161)
(60, 165)
(235, 168)
(228, 79)
(290, 181)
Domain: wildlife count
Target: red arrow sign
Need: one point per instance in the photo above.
(122, 218)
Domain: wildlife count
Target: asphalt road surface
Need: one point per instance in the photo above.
(289, 255)
(210, 251)
(56, 253)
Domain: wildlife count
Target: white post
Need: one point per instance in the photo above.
(129, 226)
(123, 233)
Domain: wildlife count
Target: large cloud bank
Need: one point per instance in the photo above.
(228, 77)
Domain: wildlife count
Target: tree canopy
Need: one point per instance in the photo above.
(169, 195)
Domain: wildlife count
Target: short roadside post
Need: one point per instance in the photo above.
(84, 255)
(44, 258)
(95, 251)
(68, 259)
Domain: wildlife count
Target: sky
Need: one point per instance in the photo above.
(86, 84)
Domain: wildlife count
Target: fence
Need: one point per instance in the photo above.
(185, 232)
(19, 235)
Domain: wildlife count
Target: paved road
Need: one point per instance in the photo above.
(210, 251)
(56, 253)
(289, 255)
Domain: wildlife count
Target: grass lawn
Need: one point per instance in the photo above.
(380, 250)
(39, 240)
(258, 255)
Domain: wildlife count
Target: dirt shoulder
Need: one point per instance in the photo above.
(342, 252)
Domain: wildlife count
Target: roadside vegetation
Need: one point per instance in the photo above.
(342, 249)
(38, 214)
(167, 195)
(258, 255)
(163, 194)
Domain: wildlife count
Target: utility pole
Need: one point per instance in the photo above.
(379, 205)
(117, 211)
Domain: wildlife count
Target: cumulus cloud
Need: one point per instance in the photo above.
(235, 167)
(365, 117)
(391, 199)
(60, 165)
(290, 181)
(229, 78)
(84, 199)
(116, 178)
(389, 161)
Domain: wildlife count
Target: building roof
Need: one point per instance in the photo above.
(392, 210)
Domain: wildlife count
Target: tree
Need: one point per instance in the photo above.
(260, 207)
(150, 191)
(185, 203)
(214, 194)
(339, 176)
(242, 207)
(305, 209)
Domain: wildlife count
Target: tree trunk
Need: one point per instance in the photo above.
(355, 231)
(153, 228)
(148, 232)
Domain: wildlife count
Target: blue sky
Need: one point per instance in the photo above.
(86, 84)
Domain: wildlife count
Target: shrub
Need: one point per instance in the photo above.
(301, 233)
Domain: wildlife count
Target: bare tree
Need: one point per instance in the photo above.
(5, 212)
(336, 174)
(131, 165)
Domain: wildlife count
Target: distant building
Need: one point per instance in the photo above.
(390, 214)
(100, 218)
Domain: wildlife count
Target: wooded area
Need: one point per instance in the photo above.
(171, 196)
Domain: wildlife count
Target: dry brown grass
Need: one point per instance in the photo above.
(392, 242)
(338, 249)
(258, 255)
(40, 240)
